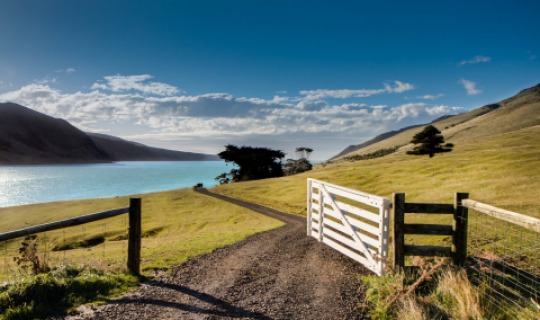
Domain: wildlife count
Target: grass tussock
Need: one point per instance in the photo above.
(435, 291)
(57, 292)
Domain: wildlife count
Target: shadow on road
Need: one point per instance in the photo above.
(217, 306)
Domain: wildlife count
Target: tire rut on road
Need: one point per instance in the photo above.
(278, 274)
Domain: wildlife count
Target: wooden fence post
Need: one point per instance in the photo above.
(134, 237)
(398, 212)
(459, 226)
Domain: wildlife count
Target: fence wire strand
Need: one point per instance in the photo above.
(100, 244)
(504, 260)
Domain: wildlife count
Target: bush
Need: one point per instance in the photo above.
(376, 154)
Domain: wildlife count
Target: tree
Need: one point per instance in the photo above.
(303, 152)
(430, 142)
(300, 164)
(253, 163)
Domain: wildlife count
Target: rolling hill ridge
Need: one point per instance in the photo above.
(515, 113)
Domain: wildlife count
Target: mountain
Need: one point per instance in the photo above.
(123, 150)
(30, 137)
(515, 113)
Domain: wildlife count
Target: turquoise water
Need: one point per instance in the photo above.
(25, 184)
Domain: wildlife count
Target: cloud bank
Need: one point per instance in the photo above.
(160, 112)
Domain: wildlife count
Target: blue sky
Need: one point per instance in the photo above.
(196, 75)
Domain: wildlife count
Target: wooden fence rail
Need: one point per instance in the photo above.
(519, 219)
(458, 230)
(134, 236)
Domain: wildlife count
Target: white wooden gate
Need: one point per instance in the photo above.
(353, 222)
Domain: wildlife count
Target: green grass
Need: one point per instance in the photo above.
(503, 170)
(177, 225)
(59, 291)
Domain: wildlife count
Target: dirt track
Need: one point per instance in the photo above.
(279, 274)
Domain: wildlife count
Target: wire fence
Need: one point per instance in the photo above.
(100, 244)
(504, 260)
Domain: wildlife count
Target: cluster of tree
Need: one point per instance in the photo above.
(252, 163)
(261, 163)
(300, 164)
(429, 141)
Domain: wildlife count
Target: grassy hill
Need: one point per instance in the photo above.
(496, 159)
(518, 112)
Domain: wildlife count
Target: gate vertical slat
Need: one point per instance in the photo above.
(321, 214)
(384, 232)
(309, 207)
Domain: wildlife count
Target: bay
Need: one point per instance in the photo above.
(26, 184)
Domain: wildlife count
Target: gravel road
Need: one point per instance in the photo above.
(278, 274)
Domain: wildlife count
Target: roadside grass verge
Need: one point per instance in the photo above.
(57, 292)
(177, 225)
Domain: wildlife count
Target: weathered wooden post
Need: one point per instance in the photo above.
(398, 213)
(134, 236)
(459, 228)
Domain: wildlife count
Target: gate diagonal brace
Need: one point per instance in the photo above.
(347, 224)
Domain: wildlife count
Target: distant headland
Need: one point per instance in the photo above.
(30, 137)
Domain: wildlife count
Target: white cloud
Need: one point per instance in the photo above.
(399, 87)
(470, 86)
(430, 96)
(355, 93)
(121, 83)
(475, 60)
(68, 70)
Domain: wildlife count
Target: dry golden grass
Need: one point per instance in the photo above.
(516, 113)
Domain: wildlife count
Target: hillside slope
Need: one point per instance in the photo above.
(518, 112)
(30, 137)
(27, 136)
(123, 150)
(496, 159)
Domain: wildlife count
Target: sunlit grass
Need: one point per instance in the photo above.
(177, 225)
(502, 170)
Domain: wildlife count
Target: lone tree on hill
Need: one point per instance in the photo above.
(253, 163)
(430, 142)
